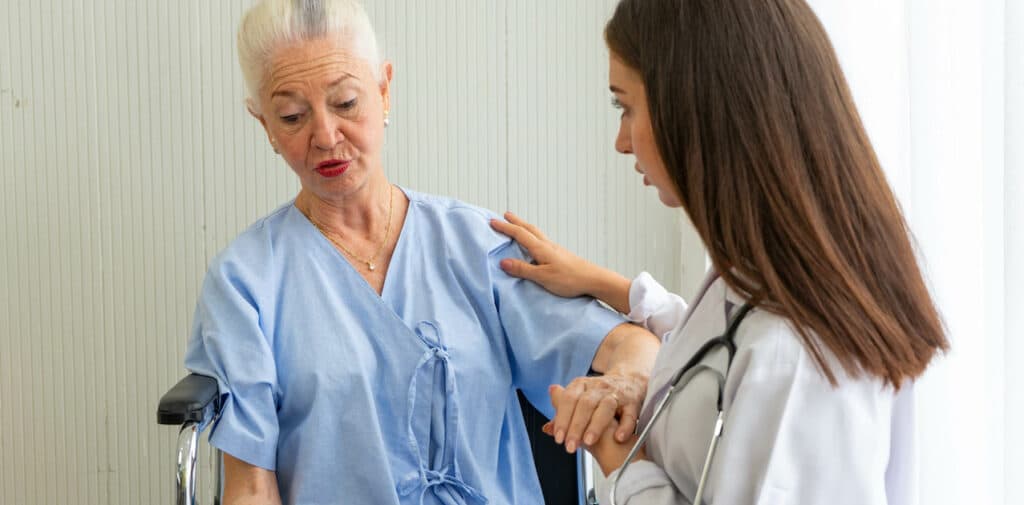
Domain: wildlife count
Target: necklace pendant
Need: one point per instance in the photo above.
(371, 266)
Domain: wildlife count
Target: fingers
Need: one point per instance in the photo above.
(564, 401)
(518, 221)
(631, 390)
(523, 237)
(589, 406)
(520, 269)
(585, 406)
(508, 228)
(518, 233)
(603, 416)
(627, 423)
(583, 412)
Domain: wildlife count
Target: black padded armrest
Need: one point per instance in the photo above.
(188, 400)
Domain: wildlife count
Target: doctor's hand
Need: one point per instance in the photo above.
(611, 453)
(586, 409)
(559, 270)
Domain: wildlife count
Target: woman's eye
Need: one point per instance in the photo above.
(291, 118)
(618, 105)
(347, 105)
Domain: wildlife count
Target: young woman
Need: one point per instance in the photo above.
(737, 111)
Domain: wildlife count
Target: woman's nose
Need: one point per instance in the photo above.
(622, 142)
(326, 132)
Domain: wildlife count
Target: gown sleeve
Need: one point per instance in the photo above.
(551, 339)
(228, 344)
(652, 306)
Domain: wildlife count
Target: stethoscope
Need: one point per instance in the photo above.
(679, 381)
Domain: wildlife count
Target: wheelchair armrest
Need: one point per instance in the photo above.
(188, 400)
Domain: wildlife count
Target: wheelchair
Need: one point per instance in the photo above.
(194, 402)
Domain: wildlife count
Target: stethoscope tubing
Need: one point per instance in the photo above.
(679, 382)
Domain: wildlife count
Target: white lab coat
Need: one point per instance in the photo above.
(790, 437)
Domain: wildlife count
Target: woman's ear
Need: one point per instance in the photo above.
(387, 72)
(250, 105)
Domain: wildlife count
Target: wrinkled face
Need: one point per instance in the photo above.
(324, 113)
(636, 136)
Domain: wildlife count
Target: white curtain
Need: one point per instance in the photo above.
(940, 85)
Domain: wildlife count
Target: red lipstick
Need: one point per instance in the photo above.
(332, 168)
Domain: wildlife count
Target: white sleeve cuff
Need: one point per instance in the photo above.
(651, 305)
(645, 295)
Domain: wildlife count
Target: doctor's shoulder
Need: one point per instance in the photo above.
(769, 347)
(767, 344)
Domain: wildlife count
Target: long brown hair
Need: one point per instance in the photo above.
(757, 127)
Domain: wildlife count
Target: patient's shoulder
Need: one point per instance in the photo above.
(257, 250)
(459, 224)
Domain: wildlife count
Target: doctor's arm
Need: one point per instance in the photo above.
(642, 300)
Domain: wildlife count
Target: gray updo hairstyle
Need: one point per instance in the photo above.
(270, 24)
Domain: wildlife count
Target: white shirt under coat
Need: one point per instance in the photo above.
(790, 437)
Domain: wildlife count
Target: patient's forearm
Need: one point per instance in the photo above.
(627, 350)
(245, 484)
(250, 500)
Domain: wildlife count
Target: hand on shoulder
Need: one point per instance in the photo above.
(559, 270)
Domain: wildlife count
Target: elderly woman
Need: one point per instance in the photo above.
(366, 343)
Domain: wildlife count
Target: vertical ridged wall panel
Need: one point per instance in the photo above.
(129, 160)
(563, 172)
(1014, 215)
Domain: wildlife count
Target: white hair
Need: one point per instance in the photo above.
(271, 24)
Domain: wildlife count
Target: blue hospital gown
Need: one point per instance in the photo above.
(408, 397)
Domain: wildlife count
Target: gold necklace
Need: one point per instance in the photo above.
(387, 233)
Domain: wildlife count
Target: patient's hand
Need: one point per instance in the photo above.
(590, 405)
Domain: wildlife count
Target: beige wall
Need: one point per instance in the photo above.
(127, 160)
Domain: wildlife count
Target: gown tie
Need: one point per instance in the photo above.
(448, 476)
